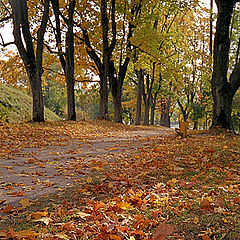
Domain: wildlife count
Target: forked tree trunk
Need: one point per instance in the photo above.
(67, 59)
(32, 57)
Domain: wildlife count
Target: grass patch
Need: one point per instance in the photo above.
(17, 106)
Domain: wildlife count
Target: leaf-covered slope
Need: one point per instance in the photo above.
(17, 106)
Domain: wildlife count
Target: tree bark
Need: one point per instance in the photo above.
(140, 77)
(32, 59)
(223, 90)
(102, 72)
(165, 116)
(147, 100)
(70, 80)
(67, 58)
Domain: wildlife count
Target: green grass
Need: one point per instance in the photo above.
(17, 106)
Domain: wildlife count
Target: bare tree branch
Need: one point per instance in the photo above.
(3, 44)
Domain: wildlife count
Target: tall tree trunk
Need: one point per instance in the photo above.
(146, 112)
(67, 59)
(32, 58)
(152, 116)
(117, 101)
(140, 77)
(37, 96)
(165, 116)
(154, 100)
(103, 105)
(147, 100)
(223, 90)
(69, 74)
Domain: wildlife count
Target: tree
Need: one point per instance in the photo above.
(115, 36)
(67, 58)
(32, 58)
(223, 88)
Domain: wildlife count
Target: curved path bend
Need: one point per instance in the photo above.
(35, 172)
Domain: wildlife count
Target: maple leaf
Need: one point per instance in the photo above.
(18, 194)
(25, 202)
(125, 206)
(114, 237)
(29, 234)
(45, 220)
(8, 209)
(163, 231)
(38, 215)
(62, 236)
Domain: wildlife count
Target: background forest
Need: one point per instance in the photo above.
(137, 62)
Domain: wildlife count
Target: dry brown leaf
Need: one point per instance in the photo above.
(163, 231)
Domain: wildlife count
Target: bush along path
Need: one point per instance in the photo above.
(123, 183)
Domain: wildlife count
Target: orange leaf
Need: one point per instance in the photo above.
(206, 204)
(163, 231)
(7, 209)
(99, 206)
(38, 215)
(115, 237)
(205, 237)
(237, 200)
(29, 234)
(18, 194)
(3, 234)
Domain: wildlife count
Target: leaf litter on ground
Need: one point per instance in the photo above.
(171, 188)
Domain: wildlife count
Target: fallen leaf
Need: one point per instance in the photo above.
(99, 206)
(62, 236)
(2, 202)
(3, 234)
(89, 180)
(205, 237)
(26, 234)
(163, 231)
(18, 194)
(38, 215)
(206, 204)
(126, 206)
(82, 214)
(7, 209)
(25, 202)
(45, 220)
(115, 237)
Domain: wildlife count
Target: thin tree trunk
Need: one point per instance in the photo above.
(140, 77)
(146, 113)
(69, 74)
(152, 116)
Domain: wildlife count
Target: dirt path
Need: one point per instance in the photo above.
(34, 172)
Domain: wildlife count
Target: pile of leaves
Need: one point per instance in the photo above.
(170, 188)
